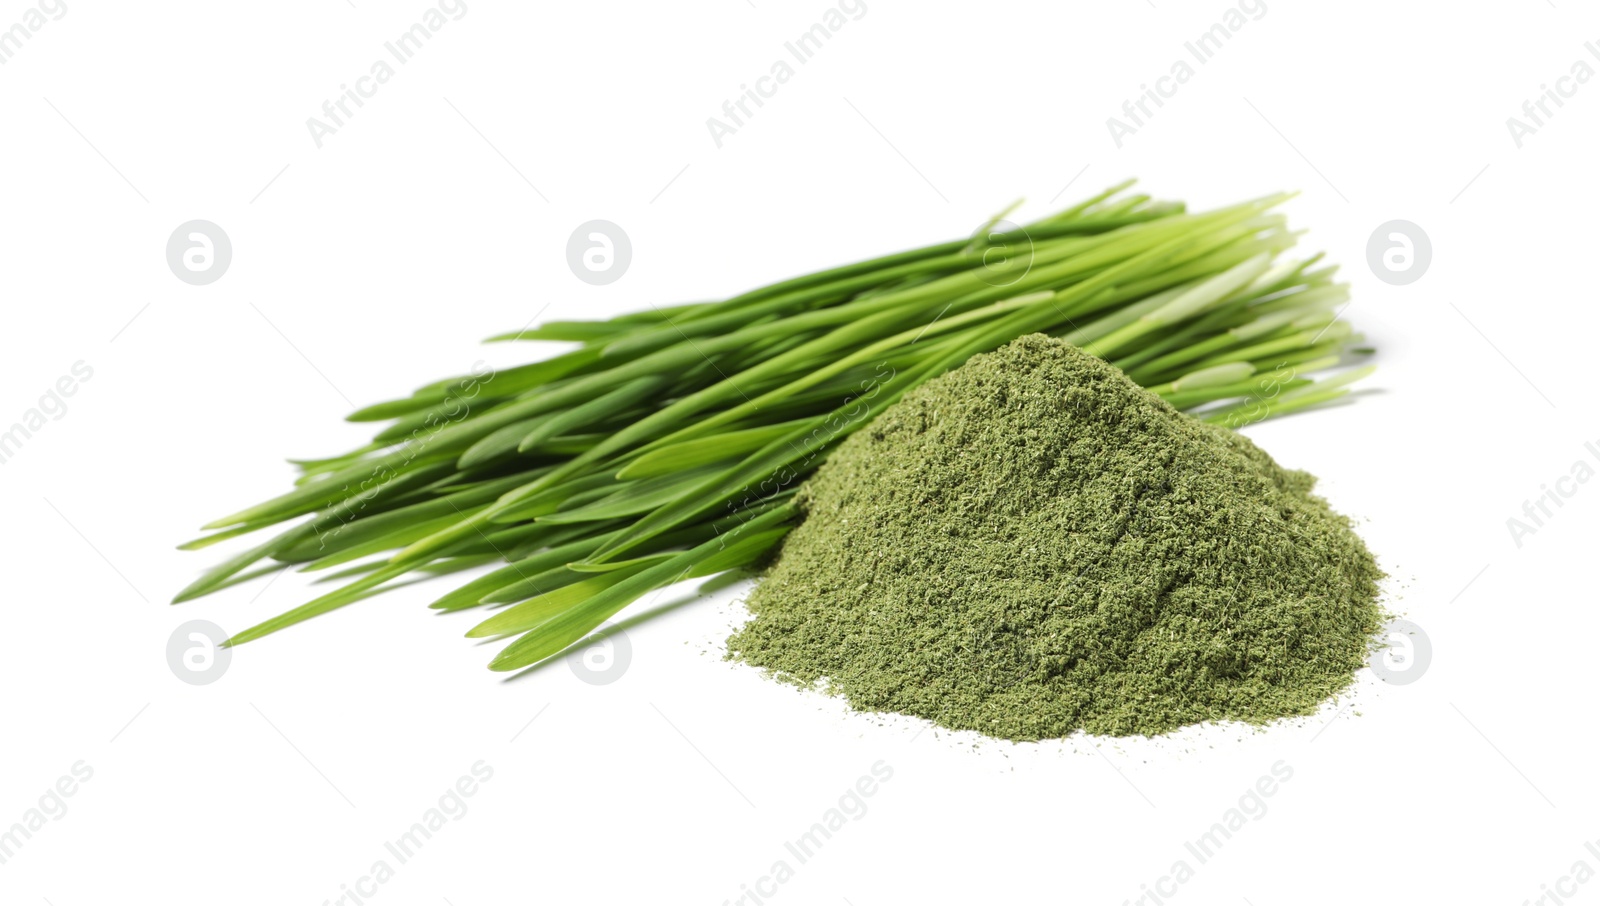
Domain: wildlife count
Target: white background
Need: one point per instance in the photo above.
(374, 264)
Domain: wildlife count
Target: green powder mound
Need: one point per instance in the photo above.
(1033, 545)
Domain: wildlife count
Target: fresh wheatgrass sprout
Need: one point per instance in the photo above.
(668, 444)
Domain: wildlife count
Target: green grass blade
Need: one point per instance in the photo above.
(561, 630)
(691, 454)
(540, 608)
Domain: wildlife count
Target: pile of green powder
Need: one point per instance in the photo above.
(1033, 545)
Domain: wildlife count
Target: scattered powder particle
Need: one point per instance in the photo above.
(1033, 545)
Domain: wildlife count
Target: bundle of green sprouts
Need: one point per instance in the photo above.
(668, 444)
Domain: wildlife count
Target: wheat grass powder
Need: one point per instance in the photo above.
(1033, 545)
